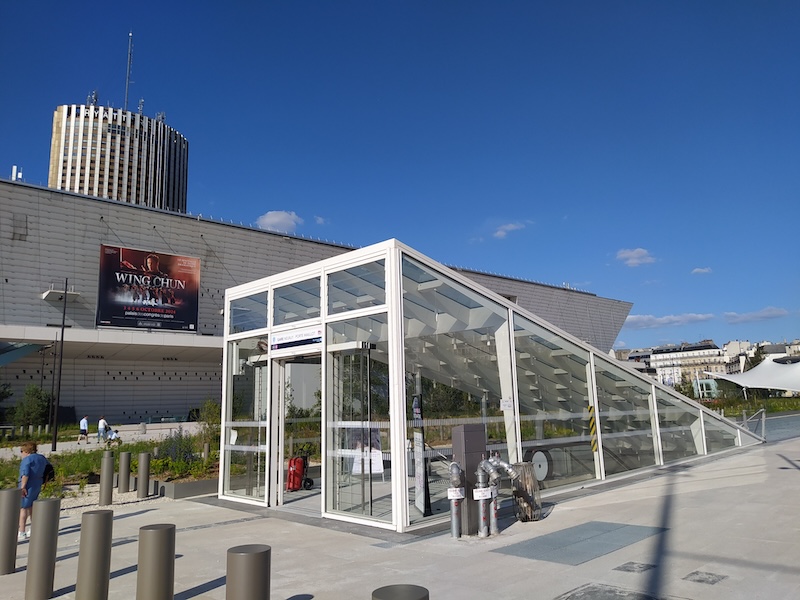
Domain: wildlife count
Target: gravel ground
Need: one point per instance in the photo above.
(77, 501)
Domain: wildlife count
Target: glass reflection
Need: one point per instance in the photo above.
(679, 425)
(458, 367)
(296, 302)
(358, 451)
(248, 313)
(553, 405)
(357, 287)
(624, 419)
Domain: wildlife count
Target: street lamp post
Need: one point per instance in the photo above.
(54, 416)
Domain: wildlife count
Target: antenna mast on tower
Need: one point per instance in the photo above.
(128, 76)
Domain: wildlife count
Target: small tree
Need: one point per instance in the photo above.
(5, 392)
(33, 409)
(210, 417)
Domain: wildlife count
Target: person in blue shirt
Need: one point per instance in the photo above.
(31, 478)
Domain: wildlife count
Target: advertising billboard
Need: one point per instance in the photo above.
(147, 290)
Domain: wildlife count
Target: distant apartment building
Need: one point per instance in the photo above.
(687, 362)
(118, 155)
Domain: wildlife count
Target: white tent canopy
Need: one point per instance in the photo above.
(773, 373)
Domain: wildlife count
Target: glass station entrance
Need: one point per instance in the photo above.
(365, 362)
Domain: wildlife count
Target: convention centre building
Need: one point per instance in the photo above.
(139, 293)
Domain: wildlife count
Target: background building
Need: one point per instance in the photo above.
(116, 154)
(151, 350)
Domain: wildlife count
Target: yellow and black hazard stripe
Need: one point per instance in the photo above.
(593, 428)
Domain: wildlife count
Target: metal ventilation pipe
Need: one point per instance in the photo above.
(491, 468)
(483, 498)
(456, 495)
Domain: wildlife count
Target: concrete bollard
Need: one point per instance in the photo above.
(402, 591)
(10, 500)
(42, 549)
(106, 478)
(143, 479)
(47, 429)
(248, 572)
(124, 479)
(142, 428)
(155, 576)
(94, 555)
(206, 451)
(38, 430)
(30, 430)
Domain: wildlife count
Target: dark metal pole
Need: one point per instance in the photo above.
(60, 365)
(247, 573)
(402, 591)
(94, 555)
(143, 480)
(155, 576)
(42, 550)
(106, 478)
(9, 521)
(124, 481)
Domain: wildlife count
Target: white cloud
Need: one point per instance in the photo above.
(635, 257)
(770, 312)
(701, 270)
(279, 220)
(653, 322)
(320, 220)
(502, 231)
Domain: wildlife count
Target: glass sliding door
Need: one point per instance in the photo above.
(246, 423)
(358, 452)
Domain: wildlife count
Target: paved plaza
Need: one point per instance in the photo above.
(721, 528)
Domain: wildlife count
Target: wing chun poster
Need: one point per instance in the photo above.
(147, 290)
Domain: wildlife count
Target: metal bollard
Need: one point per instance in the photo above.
(42, 549)
(10, 500)
(124, 479)
(143, 479)
(248, 572)
(94, 555)
(402, 591)
(106, 478)
(155, 576)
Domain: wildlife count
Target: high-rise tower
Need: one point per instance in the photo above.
(116, 154)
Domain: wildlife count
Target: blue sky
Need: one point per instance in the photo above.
(643, 151)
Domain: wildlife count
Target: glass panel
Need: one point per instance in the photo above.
(249, 393)
(296, 302)
(357, 287)
(719, 435)
(245, 474)
(245, 431)
(358, 453)
(624, 419)
(458, 367)
(248, 313)
(553, 404)
(679, 424)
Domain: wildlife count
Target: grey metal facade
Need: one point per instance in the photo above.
(130, 376)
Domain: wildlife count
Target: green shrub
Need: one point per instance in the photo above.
(178, 447)
(33, 409)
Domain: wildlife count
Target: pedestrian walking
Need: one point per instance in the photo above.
(84, 430)
(102, 425)
(31, 478)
